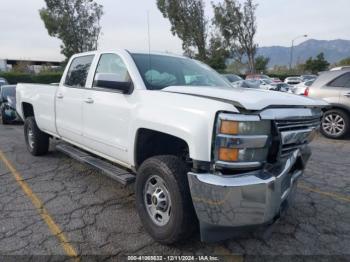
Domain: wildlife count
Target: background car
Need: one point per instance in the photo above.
(281, 87)
(232, 78)
(305, 78)
(299, 89)
(247, 84)
(3, 81)
(294, 80)
(333, 87)
(256, 77)
(8, 104)
(276, 80)
(266, 84)
(340, 68)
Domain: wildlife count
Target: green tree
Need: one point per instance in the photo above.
(344, 62)
(316, 65)
(75, 22)
(189, 23)
(261, 63)
(217, 54)
(237, 24)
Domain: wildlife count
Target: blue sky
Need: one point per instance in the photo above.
(124, 25)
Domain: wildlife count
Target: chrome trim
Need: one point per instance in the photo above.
(297, 136)
(247, 199)
(290, 113)
(244, 141)
(238, 165)
(238, 117)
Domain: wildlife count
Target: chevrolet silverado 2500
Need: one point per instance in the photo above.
(201, 152)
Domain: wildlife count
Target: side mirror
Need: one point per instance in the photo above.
(113, 81)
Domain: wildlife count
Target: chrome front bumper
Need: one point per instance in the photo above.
(231, 201)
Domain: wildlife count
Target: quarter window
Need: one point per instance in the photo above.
(78, 71)
(341, 81)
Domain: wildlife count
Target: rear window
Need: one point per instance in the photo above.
(341, 81)
(78, 71)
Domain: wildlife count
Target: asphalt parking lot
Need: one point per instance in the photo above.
(53, 205)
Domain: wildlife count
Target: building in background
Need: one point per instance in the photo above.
(34, 66)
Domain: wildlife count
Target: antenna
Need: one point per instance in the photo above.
(149, 46)
(149, 34)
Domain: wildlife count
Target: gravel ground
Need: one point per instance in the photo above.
(98, 219)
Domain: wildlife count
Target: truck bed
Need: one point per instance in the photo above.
(42, 97)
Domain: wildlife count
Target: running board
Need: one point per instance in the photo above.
(116, 173)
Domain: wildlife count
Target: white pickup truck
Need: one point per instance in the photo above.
(202, 152)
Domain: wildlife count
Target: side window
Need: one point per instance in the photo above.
(78, 71)
(341, 81)
(111, 66)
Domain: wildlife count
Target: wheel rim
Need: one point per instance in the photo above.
(157, 200)
(30, 136)
(333, 124)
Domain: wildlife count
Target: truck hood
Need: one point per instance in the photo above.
(249, 99)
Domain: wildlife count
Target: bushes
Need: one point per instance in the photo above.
(43, 78)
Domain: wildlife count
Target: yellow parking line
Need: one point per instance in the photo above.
(330, 194)
(54, 228)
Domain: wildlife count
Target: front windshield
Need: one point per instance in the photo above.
(161, 71)
(8, 91)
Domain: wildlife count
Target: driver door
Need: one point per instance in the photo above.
(106, 112)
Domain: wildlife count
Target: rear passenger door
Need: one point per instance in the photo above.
(69, 99)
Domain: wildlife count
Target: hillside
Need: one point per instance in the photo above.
(334, 51)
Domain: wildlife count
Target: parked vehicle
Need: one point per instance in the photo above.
(266, 84)
(293, 80)
(232, 78)
(3, 81)
(299, 89)
(281, 87)
(256, 77)
(247, 84)
(305, 78)
(199, 149)
(276, 80)
(340, 68)
(8, 104)
(333, 87)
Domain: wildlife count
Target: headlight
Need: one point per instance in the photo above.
(241, 141)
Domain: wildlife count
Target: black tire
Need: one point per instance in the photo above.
(41, 142)
(182, 221)
(344, 116)
(3, 117)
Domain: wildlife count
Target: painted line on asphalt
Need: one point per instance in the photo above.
(54, 228)
(329, 194)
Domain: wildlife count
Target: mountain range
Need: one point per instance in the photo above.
(334, 51)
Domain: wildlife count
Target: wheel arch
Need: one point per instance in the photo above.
(149, 143)
(27, 110)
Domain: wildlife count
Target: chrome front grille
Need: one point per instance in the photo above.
(289, 125)
(296, 133)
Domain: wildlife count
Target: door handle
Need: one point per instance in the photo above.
(59, 96)
(89, 100)
(347, 94)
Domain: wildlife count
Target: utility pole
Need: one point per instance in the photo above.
(292, 50)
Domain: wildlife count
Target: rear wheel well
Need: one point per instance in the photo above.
(151, 143)
(28, 110)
